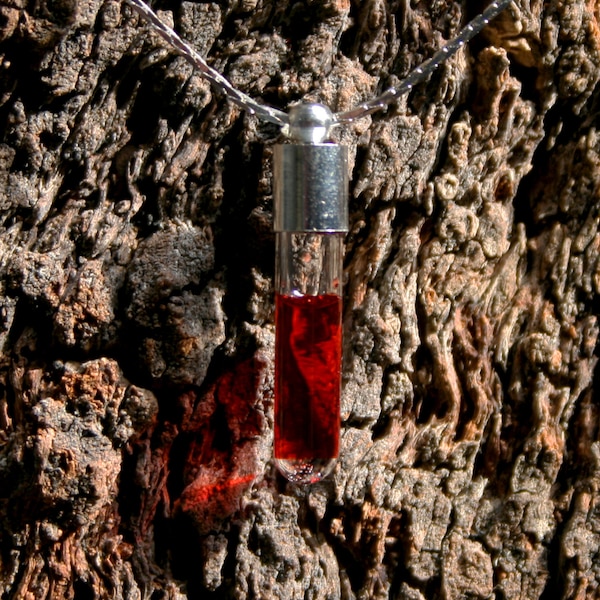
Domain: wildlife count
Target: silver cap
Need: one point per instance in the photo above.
(310, 188)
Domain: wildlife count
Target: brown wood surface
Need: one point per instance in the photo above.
(136, 306)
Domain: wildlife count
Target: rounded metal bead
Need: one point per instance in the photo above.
(310, 122)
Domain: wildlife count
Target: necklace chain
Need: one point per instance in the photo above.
(424, 70)
(281, 118)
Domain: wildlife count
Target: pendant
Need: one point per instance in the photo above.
(310, 189)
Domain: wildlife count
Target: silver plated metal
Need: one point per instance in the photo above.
(310, 178)
(310, 122)
(310, 188)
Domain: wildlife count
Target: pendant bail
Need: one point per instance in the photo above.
(310, 122)
(310, 177)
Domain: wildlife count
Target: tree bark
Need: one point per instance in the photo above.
(137, 337)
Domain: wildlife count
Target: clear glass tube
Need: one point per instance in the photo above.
(308, 353)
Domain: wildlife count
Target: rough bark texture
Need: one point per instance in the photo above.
(136, 330)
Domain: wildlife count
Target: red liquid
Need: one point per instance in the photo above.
(307, 376)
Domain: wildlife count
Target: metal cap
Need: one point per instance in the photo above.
(310, 188)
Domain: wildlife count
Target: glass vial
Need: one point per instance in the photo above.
(311, 217)
(308, 354)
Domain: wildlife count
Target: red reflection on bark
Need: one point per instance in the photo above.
(226, 424)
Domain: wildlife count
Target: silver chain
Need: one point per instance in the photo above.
(281, 118)
(425, 69)
(262, 111)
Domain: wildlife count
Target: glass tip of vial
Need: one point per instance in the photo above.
(305, 470)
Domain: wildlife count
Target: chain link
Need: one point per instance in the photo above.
(279, 117)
